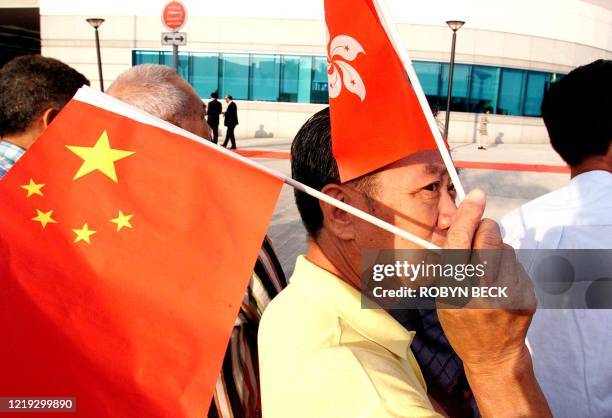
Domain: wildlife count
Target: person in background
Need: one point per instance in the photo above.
(483, 129)
(33, 89)
(160, 91)
(214, 110)
(570, 346)
(231, 120)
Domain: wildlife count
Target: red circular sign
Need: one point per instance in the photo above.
(174, 15)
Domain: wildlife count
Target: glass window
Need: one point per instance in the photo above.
(429, 77)
(146, 57)
(305, 81)
(461, 86)
(296, 77)
(484, 88)
(265, 77)
(536, 85)
(235, 76)
(290, 79)
(205, 73)
(511, 92)
(318, 92)
(183, 62)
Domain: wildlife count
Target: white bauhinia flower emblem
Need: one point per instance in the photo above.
(341, 49)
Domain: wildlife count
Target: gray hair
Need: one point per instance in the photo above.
(157, 90)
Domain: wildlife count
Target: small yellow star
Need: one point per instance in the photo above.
(100, 157)
(83, 234)
(122, 221)
(44, 218)
(33, 188)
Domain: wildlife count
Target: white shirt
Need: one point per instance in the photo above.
(571, 349)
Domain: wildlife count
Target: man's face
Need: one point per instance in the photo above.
(194, 121)
(414, 194)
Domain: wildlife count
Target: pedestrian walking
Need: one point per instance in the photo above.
(214, 110)
(483, 132)
(231, 120)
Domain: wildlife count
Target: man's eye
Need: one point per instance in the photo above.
(451, 188)
(433, 187)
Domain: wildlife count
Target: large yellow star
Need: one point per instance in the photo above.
(122, 221)
(33, 188)
(44, 218)
(100, 157)
(83, 234)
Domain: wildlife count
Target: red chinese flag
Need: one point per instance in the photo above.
(125, 251)
(376, 118)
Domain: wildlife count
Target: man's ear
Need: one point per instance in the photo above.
(337, 221)
(48, 116)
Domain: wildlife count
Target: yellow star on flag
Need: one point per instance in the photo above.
(44, 218)
(100, 157)
(83, 234)
(122, 221)
(33, 188)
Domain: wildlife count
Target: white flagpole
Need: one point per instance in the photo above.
(104, 101)
(391, 29)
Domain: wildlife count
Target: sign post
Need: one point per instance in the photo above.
(174, 15)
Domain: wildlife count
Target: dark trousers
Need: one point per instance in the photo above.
(229, 136)
(215, 131)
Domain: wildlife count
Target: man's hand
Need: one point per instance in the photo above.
(491, 340)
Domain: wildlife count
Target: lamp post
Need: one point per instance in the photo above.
(95, 23)
(455, 25)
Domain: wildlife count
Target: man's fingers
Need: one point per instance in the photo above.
(469, 214)
(488, 235)
(488, 247)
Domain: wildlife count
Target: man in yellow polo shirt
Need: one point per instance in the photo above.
(322, 355)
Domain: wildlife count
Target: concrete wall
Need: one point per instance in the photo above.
(546, 35)
(283, 120)
(71, 39)
(280, 120)
(463, 128)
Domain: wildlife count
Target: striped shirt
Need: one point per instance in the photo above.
(237, 391)
(9, 154)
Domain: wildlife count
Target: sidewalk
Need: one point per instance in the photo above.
(542, 154)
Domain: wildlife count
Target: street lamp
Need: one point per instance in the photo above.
(455, 25)
(95, 23)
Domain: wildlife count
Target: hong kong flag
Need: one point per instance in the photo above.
(125, 250)
(376, 118)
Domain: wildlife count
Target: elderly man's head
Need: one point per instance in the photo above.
(160, 91)
(414, 193)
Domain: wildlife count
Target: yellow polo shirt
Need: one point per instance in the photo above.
(322, 355)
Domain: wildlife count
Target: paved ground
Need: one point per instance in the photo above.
(505, 189)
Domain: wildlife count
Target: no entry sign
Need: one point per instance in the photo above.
(174, 15)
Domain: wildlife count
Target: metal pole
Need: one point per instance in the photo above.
(175, 56)
(450, 85)
(99, 60)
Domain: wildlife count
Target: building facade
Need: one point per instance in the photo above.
(270, 55)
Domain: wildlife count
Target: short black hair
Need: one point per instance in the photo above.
(313, 164)
(577, 112)
(214, 95)
(29, 85)
(229, 96)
